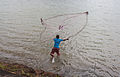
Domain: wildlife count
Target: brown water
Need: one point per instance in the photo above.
(93, 53)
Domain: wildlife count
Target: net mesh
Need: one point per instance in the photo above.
(66, 25)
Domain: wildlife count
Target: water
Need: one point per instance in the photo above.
(93, 53)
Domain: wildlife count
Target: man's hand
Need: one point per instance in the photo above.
(42, 21)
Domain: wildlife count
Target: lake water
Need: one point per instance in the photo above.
(95, 52)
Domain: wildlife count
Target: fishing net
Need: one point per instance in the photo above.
(66, 25)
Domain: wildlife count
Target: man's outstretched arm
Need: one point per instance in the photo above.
(65, 39)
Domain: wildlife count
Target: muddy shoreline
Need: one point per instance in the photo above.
(10, 69)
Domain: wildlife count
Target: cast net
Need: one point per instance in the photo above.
(66, 25)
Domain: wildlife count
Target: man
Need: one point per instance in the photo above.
(56, 46)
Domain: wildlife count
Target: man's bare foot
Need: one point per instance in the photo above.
(53, 60)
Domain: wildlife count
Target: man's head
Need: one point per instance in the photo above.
(57, 36)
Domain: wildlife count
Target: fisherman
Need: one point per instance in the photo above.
(56, 46)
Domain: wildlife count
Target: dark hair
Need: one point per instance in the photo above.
(57, 36)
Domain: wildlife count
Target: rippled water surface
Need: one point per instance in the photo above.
(95, 52)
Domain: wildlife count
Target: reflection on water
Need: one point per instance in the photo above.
(93, 53)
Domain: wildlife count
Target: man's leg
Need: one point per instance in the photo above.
(58, 54)
(52, 52)
(57, 51)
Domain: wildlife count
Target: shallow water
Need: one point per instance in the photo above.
(92, 53)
